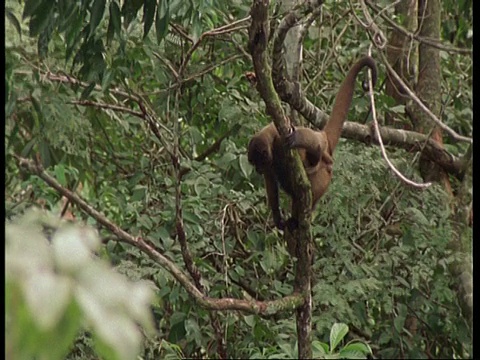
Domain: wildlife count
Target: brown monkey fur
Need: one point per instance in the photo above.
(266, 149)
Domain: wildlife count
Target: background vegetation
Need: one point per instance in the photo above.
(142, 108)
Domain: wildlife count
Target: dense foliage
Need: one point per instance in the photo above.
(55, 287)
(76, 81)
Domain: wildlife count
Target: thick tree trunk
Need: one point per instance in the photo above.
(429, 91)
(429, 85)
(402, 56)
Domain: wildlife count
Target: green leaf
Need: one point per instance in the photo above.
(164, 235)
(351, 354)
(67, 10)
(130, 9)
(30, 7)
(28, 148)
(44, 150)
(226, 160)
(250, 320)
(41, 18)
(245, 165)
(13, 19)
(399, 109)
(149, 7)
(43, 40)
(193, 330)
(337, 333)
(36, 104)
(190, 217)
(107, 79)
(197, 27)
(360, 312)
(87, 91)
(177, 317)
(72, 33)
(115, 21)
(402, 281)
(145, 222)
(355, 350)
(200, 185)
(418, 216)
(63, 335)
(97, 11)
(161, 21)
(139, 193)
(38, 290)
(357, 346)
(60, 174)
(320, 349)
(177, 332)
(398, 322)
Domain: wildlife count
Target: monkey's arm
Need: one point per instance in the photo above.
(315, 144)
(271, 187)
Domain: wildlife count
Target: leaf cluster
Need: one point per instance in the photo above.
(55, 286)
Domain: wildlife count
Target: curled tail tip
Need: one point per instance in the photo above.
(369, 62)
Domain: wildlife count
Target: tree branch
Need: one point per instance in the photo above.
(262, 308)
(302, 201)
(108, 106)
(410, 141)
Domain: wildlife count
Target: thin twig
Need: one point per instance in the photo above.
(107, 106)
(221, 30)
(419, 102)
(196, 75)
(420, 39)
(378, 36)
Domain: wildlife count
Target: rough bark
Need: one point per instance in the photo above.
(428, 86)
(402, 55)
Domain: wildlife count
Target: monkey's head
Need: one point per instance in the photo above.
(259, 154)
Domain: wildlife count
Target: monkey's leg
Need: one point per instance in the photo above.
(272, 195)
